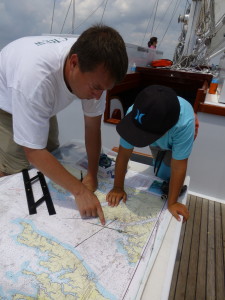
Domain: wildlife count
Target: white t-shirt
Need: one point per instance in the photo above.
(32, 87)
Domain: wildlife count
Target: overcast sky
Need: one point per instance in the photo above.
(134, 19)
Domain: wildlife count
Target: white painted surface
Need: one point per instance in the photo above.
(71, 126)
(158, 284)
(158, 281)
(206, 165)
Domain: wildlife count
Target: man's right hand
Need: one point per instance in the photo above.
(87, 202)
(89, 205)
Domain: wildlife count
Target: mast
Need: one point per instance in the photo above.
(184, 52)
(192, 23)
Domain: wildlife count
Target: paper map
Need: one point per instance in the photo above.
(66, 257)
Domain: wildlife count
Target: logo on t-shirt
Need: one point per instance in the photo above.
(52, 41)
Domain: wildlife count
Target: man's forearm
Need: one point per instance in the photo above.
(93, 143)
(93, 148)
(50, 166)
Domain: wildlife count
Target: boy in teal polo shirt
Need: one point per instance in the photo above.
(166, 123)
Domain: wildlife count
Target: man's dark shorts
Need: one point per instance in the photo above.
(12, 156)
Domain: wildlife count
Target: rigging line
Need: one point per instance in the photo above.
(187, 2)
(218, 27)
(212, 16)
(89, 15)
(104, 11)
(210, 51)
(153, 23)
(175, 8)
(53, 12)
(73, 18)
(148, 24)
(166, 10)
(186, 5)
(66, 16)
(207, 34)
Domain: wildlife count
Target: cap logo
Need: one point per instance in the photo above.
(139, 116)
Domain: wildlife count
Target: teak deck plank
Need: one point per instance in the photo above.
(177, 262)
(223, 231)
(210, 281)
(220, 287)
(184, 262)
(194, 253)
(199, 271)
(201, 280)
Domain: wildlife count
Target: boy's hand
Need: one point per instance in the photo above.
(115, 195)
(196, 126)
(177, 209)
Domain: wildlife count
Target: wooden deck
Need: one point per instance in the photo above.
(200, 262)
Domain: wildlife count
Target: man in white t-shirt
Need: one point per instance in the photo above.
(39, 77)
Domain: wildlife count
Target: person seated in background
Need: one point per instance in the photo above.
(40, 76)
(152, 42)
(165, 122)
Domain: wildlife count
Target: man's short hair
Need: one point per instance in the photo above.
(98, 45)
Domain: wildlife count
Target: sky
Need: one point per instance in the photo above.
(136, 20)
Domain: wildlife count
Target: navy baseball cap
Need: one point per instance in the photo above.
(156, 109)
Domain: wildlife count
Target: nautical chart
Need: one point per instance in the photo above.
(63, 256)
